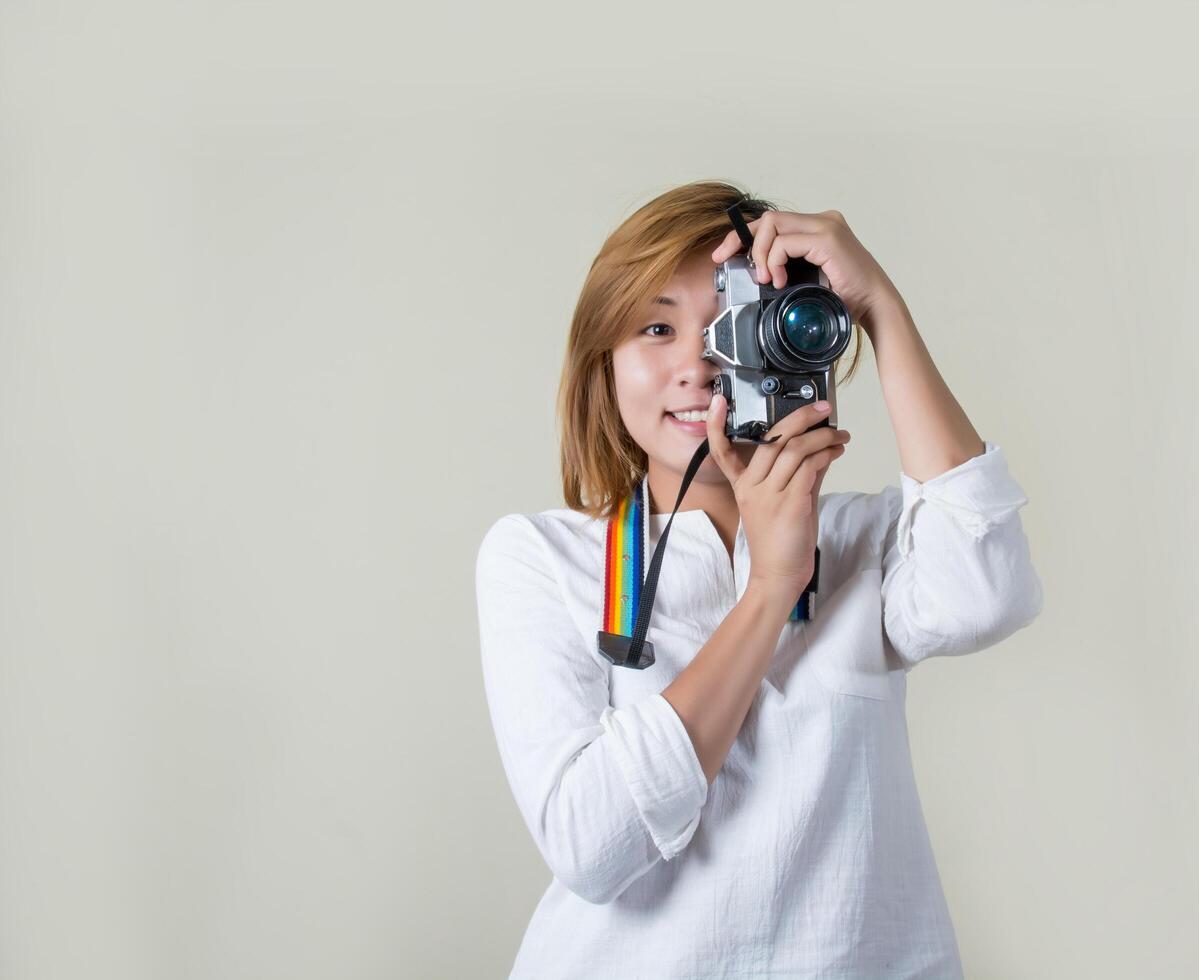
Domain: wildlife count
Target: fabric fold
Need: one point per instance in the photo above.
(958, 576)
(977, 494)
(660, 765)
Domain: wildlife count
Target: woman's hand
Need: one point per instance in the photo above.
(826, 241)
(778, 491)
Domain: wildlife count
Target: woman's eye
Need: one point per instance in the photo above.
(656, 325)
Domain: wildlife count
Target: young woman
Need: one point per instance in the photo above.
(746, 805)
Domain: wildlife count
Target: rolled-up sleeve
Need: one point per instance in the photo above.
(605, 792)
(958, 575)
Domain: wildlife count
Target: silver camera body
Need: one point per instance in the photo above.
(776, 347)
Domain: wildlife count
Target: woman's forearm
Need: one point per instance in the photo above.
(932, 430)
(712, 694)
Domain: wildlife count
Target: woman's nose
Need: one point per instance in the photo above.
(698, 369)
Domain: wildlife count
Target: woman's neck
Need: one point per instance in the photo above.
(715, 499)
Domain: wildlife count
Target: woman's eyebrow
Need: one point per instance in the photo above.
(665, 301)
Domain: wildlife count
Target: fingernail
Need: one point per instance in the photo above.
(822, 406)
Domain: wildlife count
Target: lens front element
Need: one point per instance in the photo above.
(808, 326)
(805, 326)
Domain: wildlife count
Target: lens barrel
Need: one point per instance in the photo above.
(805, 326)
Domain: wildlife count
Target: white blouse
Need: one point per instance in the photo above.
(808, 856)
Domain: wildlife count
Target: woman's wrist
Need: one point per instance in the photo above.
(774, 597)
(888, 309)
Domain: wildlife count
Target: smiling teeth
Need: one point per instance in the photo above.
(691, 416)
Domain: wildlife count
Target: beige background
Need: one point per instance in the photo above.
(284, 293)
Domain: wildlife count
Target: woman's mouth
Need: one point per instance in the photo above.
(693, 423)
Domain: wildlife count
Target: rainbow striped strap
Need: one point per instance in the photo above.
(624, 575)
(628, 535)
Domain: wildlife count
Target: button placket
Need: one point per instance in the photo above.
(731, 571)
(730, 578)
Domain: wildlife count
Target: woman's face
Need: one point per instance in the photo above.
(661, 369)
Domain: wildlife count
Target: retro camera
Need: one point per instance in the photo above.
(776, 347)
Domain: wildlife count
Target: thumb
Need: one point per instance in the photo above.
(719, 445)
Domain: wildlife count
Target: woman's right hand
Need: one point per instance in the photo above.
(778, 491)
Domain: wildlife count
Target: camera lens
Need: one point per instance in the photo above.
(806, 326)
(809, 326)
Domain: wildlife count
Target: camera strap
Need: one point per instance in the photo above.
(629, 591)
(626, 592)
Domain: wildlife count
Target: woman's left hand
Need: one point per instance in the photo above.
(825, 240)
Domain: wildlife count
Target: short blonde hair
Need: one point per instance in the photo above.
(601, 464)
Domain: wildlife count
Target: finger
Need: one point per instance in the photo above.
(796, 244)
(725, 248)
(720, 447)
(800, 448)
(798, 421)
(731, 244)
(801, 484)
(718, 252)
(792, 221)
(763, 239)
(793, 424)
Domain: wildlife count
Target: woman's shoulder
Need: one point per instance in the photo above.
(556, 533)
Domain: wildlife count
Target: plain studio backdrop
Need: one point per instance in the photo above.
(284, 295)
